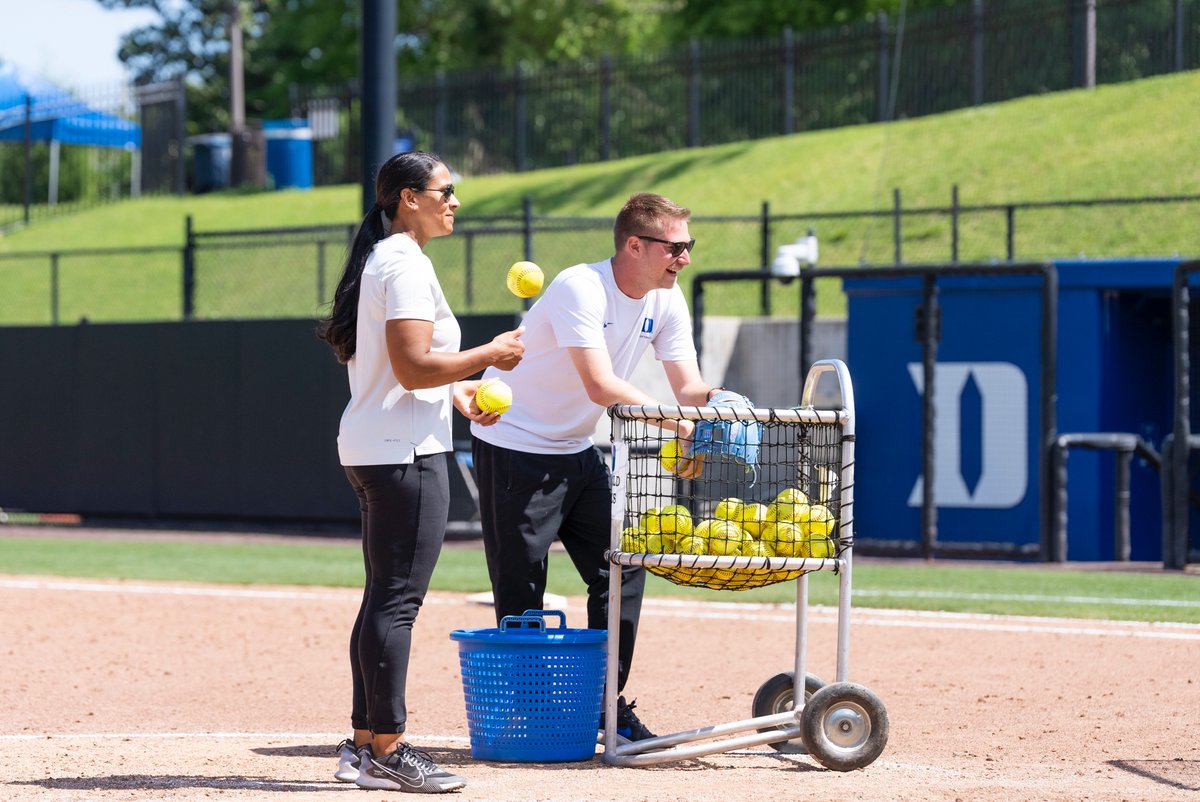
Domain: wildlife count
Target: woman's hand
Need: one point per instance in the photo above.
(509, 349)
(464, 402)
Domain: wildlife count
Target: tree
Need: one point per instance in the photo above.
(285, 42)
(720, 19)
(312, 42)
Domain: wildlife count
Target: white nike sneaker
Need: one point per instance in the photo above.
(409, 770)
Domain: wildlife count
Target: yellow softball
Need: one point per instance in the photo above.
(525, 279)
(494, 395)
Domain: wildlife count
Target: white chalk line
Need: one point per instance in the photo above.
(680, 608)
(322, 737)
(1027, 597)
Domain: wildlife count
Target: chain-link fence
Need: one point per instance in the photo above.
(936, 60)
(293, 272)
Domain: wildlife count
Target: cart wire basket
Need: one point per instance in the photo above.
(533, 694)
(771, 508)
(768, 497)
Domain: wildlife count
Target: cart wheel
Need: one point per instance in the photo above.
(777, 696)
(844, 726)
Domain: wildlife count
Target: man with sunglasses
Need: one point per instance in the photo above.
(540, 476)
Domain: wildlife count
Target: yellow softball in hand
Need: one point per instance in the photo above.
(525, 279)
(493, 395)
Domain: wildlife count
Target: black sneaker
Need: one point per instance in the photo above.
(629, 726)
(406, 769)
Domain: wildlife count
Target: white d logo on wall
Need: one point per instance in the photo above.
(1004, 427)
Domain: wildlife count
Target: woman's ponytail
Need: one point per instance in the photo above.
(412, 170)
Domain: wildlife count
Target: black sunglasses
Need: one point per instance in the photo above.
(676, 247)
(447, 191)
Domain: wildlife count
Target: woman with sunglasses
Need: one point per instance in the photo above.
(540, 476)
(392, 328)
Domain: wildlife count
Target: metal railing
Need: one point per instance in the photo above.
(1123, 445)
(292, 272)
(1178, 447)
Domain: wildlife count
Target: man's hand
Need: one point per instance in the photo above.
(690, 466)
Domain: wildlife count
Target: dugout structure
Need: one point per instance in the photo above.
(773, 503)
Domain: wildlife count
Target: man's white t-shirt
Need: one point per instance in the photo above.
(582, 308)
(384, 424)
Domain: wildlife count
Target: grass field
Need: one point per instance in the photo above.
(1133, 139)
(1002, 588)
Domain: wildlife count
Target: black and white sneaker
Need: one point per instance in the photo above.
(349, 759)
(406, 769)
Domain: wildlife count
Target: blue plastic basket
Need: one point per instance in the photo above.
(533, 694)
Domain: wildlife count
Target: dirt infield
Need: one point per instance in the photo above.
(154, 691)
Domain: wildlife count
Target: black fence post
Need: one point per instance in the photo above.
(527, 227)
(765, 257)
(693, 117)
(977, 52)
(54, 289)
(527, 233)
(519, 118)
(439, 112)
(28, 194)
(180, 136)
(929, 335)
(954, 224)
(1010, 219)
(605, 107)
(470, 269)
(1058, 508)
(698, 315)
(789, 81)
(189, 269)
(1175, 543)
(882, 54)
(808, 317)
(1049, 411)
(897, 226)
(1179, 19)
(320, 273)
(1121, 496)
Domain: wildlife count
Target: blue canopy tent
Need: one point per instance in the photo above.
(56, 116)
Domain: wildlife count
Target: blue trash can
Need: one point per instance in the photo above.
(211, 157)
(533, 694)
(289, 153)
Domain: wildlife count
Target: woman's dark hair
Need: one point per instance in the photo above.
(413, 170)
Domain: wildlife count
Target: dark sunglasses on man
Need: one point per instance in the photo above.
(677, 248)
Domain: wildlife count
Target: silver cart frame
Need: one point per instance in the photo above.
(850, 727)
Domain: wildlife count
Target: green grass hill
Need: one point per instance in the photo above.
(1127, 139)
(1117, 141)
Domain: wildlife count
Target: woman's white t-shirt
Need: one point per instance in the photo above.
(384, 424)
(582, 308)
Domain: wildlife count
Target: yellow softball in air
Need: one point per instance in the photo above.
(493, 395)
(525, 279)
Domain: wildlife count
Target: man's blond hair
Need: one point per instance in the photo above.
(646, 214)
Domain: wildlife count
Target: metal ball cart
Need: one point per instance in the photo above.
(786, 477)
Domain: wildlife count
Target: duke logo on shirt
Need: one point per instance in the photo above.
(647, 325)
